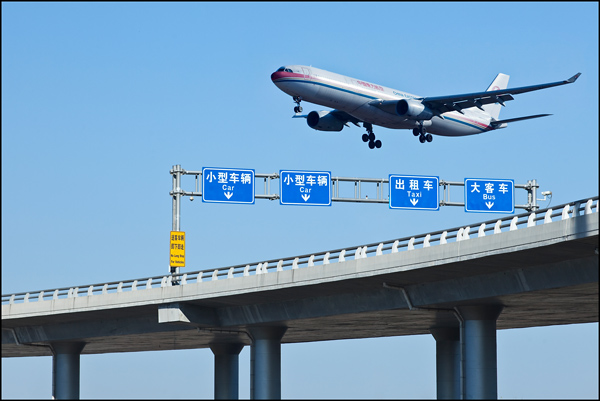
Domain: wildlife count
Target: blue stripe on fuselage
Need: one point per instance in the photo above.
(327, 86)
(465, 123)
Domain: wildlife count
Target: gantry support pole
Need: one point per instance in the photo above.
(176, 171)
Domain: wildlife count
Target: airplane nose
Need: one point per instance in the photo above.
(276, 75)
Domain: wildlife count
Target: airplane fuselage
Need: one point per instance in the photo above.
(353, 96)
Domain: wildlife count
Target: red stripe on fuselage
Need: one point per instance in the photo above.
(283, 74)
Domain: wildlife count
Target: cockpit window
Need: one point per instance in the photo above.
(288, 70)
(281, 69)
(284, 69)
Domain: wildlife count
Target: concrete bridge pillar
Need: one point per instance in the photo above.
(447, 362)
(479, 351)
(65, 370)
(265, 362)
(226, 370)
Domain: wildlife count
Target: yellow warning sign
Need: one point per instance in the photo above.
(177, 258)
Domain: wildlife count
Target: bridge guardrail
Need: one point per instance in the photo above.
(510, 223)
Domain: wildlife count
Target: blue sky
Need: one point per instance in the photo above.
(100, 100)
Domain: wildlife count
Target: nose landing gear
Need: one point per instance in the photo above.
(370, 137)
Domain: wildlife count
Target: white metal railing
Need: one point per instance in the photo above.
(509, 223)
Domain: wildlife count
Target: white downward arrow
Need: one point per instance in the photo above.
(228, 194)
(489, 204)
(414, 201)
(305, 197)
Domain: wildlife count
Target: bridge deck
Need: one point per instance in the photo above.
(545, 274)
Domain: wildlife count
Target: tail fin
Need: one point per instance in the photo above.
(500, 82)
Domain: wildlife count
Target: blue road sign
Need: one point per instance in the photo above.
(311, 188)
(415, 192)
(489, 196)
(227, 185)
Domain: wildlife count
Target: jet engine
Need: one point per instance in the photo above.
(324, 121)
(413, 109)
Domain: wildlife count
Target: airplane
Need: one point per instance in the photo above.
(359, 101)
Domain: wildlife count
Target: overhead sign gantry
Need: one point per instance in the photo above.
(319, 188)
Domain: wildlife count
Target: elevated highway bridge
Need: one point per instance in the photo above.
(459, 284)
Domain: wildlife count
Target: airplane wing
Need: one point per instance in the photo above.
(442, 104)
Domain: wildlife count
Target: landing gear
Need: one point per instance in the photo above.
(422, 133)
(370, 137)
(297, 108)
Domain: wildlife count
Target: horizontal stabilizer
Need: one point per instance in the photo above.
(495, 124)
